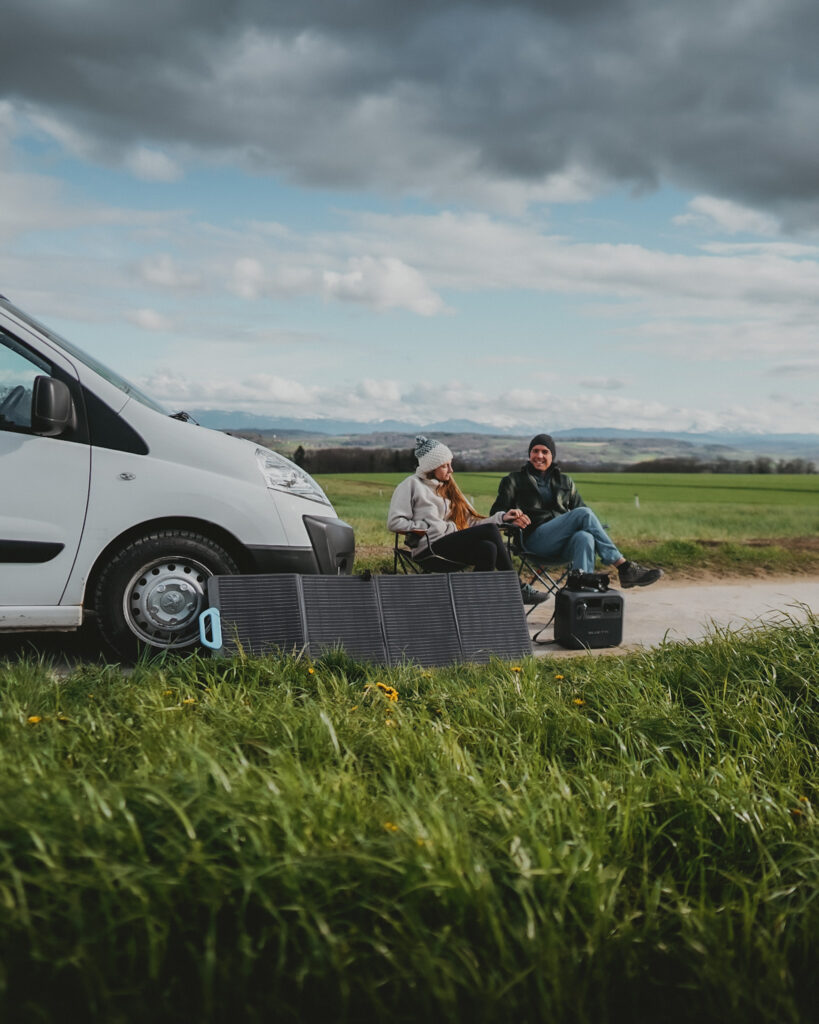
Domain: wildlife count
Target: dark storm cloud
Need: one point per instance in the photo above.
(714, 97)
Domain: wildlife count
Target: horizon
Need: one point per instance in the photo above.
(212, 417)
(607, 214)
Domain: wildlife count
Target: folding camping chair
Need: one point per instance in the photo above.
(407, 561)
(532, 569)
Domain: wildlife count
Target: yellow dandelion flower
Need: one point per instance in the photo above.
(34, 719)
(311, 671)
(578, 701)
(189, 700)
(559, 677)
(167, 693)
(796, 812)
(390, 826)
(389, 691)
(390, 722)
(804, 799)
(516, 668)
(354, 707)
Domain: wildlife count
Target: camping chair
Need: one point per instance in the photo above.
(531, 570)
(407, 561)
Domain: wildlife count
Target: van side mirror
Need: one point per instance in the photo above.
(52, 407)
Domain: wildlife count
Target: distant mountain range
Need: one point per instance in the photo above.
(222, 419)
(806, 445)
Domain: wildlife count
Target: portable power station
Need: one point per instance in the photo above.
(588, 618)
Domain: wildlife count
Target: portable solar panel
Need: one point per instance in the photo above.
(342, 611)
(254, 614)
(491, 618)
(419, 619)
(426, 619)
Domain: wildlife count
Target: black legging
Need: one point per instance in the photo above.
(481, 546)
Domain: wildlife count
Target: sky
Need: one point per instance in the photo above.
(542, 214)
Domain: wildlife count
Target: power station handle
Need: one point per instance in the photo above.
(210, 617)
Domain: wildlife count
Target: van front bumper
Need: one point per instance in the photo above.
(331, 553)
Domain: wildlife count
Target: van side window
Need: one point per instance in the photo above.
(17, 373)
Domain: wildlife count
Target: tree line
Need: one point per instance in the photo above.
(760, 464)
(394, 460)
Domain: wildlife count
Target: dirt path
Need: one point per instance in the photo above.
(685, 610)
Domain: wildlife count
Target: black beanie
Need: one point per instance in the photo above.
(546, 440)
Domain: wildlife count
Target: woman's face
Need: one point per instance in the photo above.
(443, 473)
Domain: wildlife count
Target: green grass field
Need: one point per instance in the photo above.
(601, 840)
(684, 522)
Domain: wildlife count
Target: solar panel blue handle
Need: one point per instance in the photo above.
(210, 617)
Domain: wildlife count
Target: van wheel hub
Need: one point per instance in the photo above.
(163, 601)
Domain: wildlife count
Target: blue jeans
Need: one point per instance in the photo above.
(574, 537)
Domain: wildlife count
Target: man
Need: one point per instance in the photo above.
(562, 528)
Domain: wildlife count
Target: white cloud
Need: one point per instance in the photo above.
(381, 283)
(248, 278)
(602, 383)
(787, 250)
(152, 165)
(810, 369)
(375, 400)
(149, 320)
(712, 214)
(162, 270)
(385, 283)
(381, 391)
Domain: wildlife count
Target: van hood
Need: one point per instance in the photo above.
(186, 443)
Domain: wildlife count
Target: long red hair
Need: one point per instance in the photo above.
(460, 511)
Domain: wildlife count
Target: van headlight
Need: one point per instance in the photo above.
(281, 474)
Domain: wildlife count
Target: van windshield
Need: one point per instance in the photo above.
(107, 374)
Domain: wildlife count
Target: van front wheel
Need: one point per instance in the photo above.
(150, 595)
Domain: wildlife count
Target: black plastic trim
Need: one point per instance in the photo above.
(269, 559)
(333, 541)
(29, 551)
(107, 429)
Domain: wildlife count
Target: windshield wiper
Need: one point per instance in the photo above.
(184, 416)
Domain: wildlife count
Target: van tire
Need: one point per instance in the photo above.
(149, 595)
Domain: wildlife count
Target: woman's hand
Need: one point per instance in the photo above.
(516, 517)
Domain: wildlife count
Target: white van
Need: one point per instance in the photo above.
(108, 503)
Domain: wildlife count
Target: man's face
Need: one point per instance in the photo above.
(540, 457)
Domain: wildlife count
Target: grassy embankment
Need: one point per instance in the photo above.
(687, 523)
(606, 839)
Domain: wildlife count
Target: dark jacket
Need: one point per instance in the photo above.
(520, 490)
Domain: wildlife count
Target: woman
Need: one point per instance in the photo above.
(430, 508)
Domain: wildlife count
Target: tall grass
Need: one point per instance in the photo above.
(590, 840)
